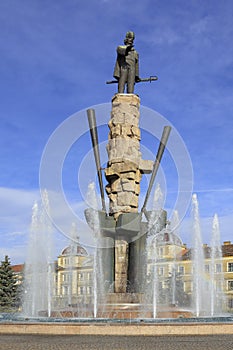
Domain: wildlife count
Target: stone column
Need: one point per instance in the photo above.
(123, 173)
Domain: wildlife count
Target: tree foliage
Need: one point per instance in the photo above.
(8, 287)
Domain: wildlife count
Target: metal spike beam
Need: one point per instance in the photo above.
(95, 144)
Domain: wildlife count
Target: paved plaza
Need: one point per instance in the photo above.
(90, 342)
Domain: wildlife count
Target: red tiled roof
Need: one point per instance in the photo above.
(17, 268)
(227, 250)
(183, 254)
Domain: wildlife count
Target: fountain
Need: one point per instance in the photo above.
(125, 266)
(198, 261)
(154, 226)
(123, 284)
(136, 265)
(217, 297)
(208, 283)
(100, 280)
(39, 270)
(175, 222)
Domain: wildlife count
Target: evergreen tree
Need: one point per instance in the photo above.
(8, 287)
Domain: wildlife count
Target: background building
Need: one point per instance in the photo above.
(74, 277)
(168, 259)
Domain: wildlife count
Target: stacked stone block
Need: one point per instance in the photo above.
(125, 166)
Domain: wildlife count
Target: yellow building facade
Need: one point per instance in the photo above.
(168, 255)
(74, 277)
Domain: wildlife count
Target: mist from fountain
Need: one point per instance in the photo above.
(48, 234)
(197, 261)
(31, 266)
(157, 204)
(217, 297)
(39, 273)
(155, 288)
(175, 221)
(98, 275)
(153, 228)
(72, 254)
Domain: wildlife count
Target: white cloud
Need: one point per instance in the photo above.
(15, 234)
(15, 215)
(15, 222)
(17, 198)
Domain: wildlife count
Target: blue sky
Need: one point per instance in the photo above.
(55, 59)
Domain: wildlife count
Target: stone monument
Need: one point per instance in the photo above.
(124, 262)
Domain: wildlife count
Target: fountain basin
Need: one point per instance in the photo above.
(17, 324)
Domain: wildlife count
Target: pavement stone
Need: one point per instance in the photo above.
(92, 342)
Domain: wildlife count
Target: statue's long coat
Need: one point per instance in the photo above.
(124, 59)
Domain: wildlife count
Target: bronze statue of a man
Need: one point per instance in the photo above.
(127, 65)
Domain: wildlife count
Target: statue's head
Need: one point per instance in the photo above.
(129, 38)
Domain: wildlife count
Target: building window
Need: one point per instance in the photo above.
(218, 268)
(230, 285)
(219, 286)
(65, 277)
(161, 271)
(160, 251)
(230, 267)
(89, 276)
(65, 290)
(181, 270)
(80, 276)
(230, 303)
(81, 290)
(207, 268)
